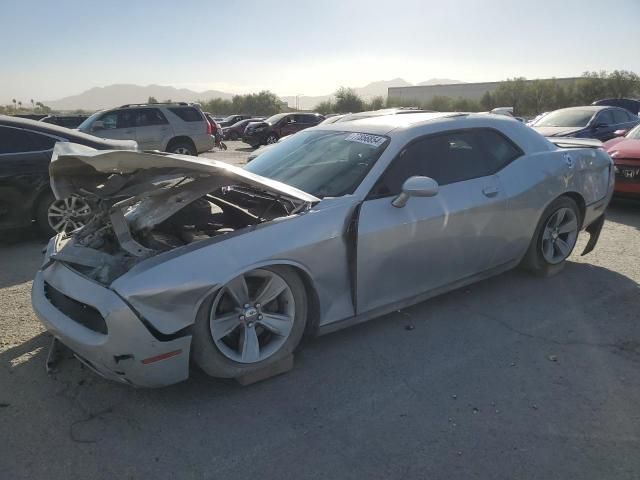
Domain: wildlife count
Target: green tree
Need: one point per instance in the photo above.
(152, 100)
(487, 101)
(440, 104)
(347, 100)
(622, 83)
(324, 107)
(592, 86)
(376, 103)
(512, 93)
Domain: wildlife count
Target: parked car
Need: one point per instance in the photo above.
(629, 104)
(25, 194)
(401, 208)
(278, 126)
(625, 152)
(231, 119)
(585, 122)
(170, 127)
(235, 131)
(68, 121)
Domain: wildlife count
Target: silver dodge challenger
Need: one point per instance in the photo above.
(189, 260)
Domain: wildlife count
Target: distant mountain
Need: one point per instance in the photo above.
(114, 95)
(367, 92)
(439, 81)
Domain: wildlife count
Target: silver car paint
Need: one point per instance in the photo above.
(168, 289)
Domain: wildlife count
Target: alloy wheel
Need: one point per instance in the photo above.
(560, 235)
(252, 316)
(68, 214)
(182, 151)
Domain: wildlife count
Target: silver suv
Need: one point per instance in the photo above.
(170, 127)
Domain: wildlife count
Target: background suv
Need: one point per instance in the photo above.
(278, 126)
(172, 127)
(231, 119)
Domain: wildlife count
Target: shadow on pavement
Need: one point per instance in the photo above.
(624, 211)
(20, 260)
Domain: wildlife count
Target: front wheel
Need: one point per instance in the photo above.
(62, 216)
(251, 323)
(554, 238)
(271, 139)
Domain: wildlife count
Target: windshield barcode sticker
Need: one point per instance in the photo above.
(373, 140)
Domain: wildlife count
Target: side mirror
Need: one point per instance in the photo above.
(97, 125)
(620, 133)
(416, 187)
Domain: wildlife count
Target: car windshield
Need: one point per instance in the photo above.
(574, 117)
(230, 118)
(88, 121)
(322, 163)
(275, 118)
(634, 133)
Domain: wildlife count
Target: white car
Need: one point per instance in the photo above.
(170, 127)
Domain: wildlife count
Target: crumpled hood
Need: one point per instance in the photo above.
(557, 131)
(149, 187)
(74, 168)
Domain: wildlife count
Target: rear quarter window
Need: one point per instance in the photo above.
(188, 114)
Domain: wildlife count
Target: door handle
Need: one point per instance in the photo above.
(490, 191)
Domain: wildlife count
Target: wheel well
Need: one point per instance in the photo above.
(576, 197)
(181, 139)
(313, 302)
(37, 200)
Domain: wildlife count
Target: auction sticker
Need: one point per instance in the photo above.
(367, 139)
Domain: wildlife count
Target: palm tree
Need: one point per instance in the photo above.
(33, 105)
(20, 105)
(14, 104)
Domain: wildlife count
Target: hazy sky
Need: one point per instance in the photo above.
(54, 48)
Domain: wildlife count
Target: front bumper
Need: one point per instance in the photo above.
(254, 139)
(127, 351)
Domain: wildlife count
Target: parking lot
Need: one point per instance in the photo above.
(513, 377)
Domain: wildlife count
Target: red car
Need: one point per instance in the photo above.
(625, 152)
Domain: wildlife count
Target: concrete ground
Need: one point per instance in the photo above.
(512, 378)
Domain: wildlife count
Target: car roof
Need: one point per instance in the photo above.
(593, 108)
(383, 124)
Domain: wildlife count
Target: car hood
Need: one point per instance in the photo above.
(623, 147)
(158, 183)
(557, 131)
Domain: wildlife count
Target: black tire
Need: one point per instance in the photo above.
(271, 139)
(183, 148)
(534, 260)
(208, 357)
(41, 214)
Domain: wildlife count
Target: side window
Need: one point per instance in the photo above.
(14, 140)
(109, 120)
(605, 117)
(42, 142)
(127, 118)
(448, 158)
(148, 117)
(620, 116)
(188, 114)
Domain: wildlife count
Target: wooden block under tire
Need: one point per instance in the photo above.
(278, 368)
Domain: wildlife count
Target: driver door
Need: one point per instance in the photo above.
(431, 242)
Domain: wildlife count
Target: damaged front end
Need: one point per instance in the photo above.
(149, 203)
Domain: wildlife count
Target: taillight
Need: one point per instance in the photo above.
(209, 127)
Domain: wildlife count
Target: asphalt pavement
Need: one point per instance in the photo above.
(515, 377)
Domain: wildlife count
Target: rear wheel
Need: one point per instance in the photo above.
(253, 322)
(554, 238)
(182, 148)
(271, 139)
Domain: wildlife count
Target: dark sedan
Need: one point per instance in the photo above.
(591, 121)
(231, 119)
(277, 126)
(26, 147)
(235, 131)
